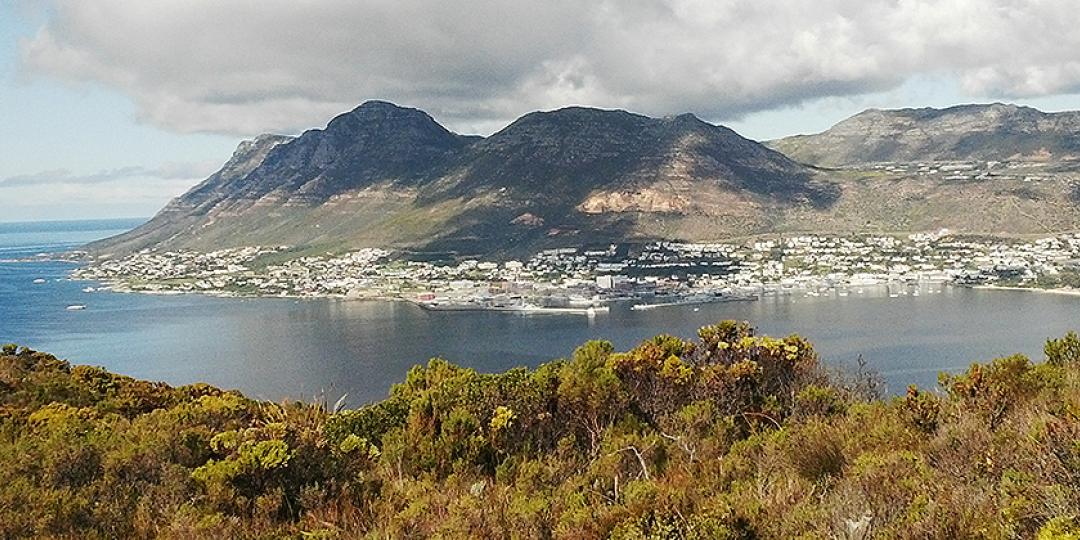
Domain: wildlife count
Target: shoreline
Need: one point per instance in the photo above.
(1061, 291)
(524, 309)
(119, 286)
(695, 302)
(241, 296)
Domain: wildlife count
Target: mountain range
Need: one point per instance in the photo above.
(392, 176)
(389, 176)
(966, 132)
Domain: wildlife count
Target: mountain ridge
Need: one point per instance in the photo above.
(995, 131)
(393, 175)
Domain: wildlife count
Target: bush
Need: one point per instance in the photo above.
(733, 435)
(1061, 528)
(1064, 351)
(815, 450)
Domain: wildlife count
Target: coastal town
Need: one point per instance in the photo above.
(587, 280)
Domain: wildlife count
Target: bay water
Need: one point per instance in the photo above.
(277, 349)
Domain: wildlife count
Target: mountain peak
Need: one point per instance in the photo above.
(377, 104)
(597, 118)
(381, 114)
(576, 114)
(953, 110)
(687, 117)
(377, 108)
(250, 153)
(261, 141)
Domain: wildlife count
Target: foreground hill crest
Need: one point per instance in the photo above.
(731, 435)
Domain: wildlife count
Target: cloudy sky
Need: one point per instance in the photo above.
(111, 107)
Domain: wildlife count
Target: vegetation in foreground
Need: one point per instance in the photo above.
(733, 435)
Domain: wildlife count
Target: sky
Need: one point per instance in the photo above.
(110, 108)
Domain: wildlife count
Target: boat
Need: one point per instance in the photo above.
(89, 289)
(39, 281)
(76, 307)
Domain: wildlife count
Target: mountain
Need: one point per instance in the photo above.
(392, 176)
(966, 132)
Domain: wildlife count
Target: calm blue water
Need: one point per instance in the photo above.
(277, 348)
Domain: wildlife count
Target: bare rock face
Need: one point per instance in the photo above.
(528, 219)
(247, 157)
(392, 176)
(966, 132)
(643, 200)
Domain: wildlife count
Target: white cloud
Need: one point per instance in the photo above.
(124, 191)
(167, 173)
(276, 65)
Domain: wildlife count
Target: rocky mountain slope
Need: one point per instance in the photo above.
(966, 132)
(392, 176)
(388, 176)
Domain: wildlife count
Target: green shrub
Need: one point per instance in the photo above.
(1063, 351)
(731, 436)
(1061, 528)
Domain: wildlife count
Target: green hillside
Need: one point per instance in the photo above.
(732, 435)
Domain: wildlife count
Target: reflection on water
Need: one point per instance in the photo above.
(275, 348)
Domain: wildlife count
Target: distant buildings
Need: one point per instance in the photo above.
(572, 276)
